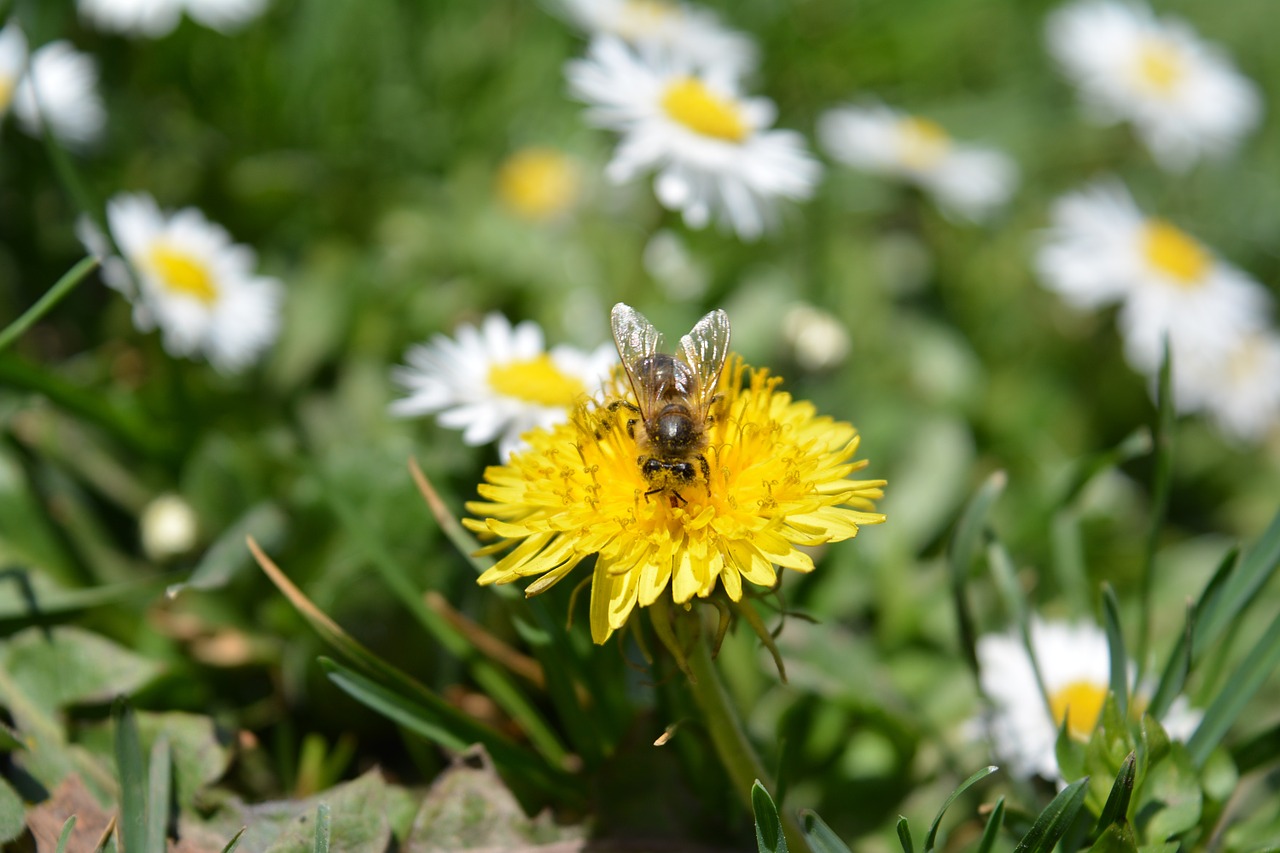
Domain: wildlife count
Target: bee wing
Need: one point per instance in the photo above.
(637, 341)
(704, 349)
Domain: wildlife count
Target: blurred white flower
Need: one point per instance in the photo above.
(156, 18)
(193, 282)
(497, 381)
(60, 86)
(1101, 248)
(1241, 393)
(691, 32)
(709, 145)
(1075, 667)
(1183, 96)
(168, 527)
(817, 338)
(13, 62)
(970, 181)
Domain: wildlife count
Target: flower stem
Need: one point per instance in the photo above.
(732, 746)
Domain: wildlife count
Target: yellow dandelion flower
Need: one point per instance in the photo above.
(777, 480)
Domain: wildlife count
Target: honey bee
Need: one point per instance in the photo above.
(674, 395)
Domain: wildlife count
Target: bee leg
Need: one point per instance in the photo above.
(677, 500)
(706, 468)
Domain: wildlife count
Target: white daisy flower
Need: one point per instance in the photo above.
(1075, 666)
(966, 180)
(60, 86)
(192, 281)
(13, 62)
(497, 381)
(709, 145)
(1241, 393)
(156, 18)
(684, 30)
(1183, 96)
(1101, 248)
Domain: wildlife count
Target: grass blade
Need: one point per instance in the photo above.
(932, 837)
(1162, 446)
(1115, 647)
(992, 830)
(159, 795)
(1231, 700)
(821, 838)
(904, 836)
(1238, 588)
(769, 837)
(1176, 669)
(1055, 820)
(133, 778)
(961, 552)
(1135, 444)
(65, 838)
(1117, 805)
(235, 841)
(321, 844)
(64, 285)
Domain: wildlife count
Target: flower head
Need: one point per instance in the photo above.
(1241, 390)
(497, 381)
(1102, 249)
(60, 87)
(157, 18)
(970, 181)
(776, 481)
(1075, 667)
(539, 184)
(1182, 95)
(192, 281)
(710, 146)
(691, 32)
(13, 62)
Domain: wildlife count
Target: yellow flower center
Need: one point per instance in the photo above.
(538, 183)
(924, 142)
(6, 93)
(1159, 68)
(1080, 702)
(1172, 253)
(536, 380)
(642, 17)
(695, 106)
(182, 274)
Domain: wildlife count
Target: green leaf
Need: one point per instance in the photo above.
(821, 838)
(321, 844)
(30, 597)
(1135, 444)
(1238, 590)
(992, 830)
(1117, 805)
(12, 821)
(904, 836)
(1068, 560)
(1235, 695)
(133, 779)
(45, 303)
(234, 842)
(1071, 753)
(227, 557)
(963, 548)
(1115, 647)
(1176, 668)
(769, 837)
(1055, 820)
(1171, 801)
(1162, 443)
(66, 665)
(1153, 745)
(932, 838)
(65, 838)
(159, 794)
(1116, 838)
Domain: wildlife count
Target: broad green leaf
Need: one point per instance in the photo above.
(821, 838)
(67, 665)
(932, 838)
(12, 818)
(1116, 838)
(1055, 820)
(132, 771)
(769, 837)
(1171, 801)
